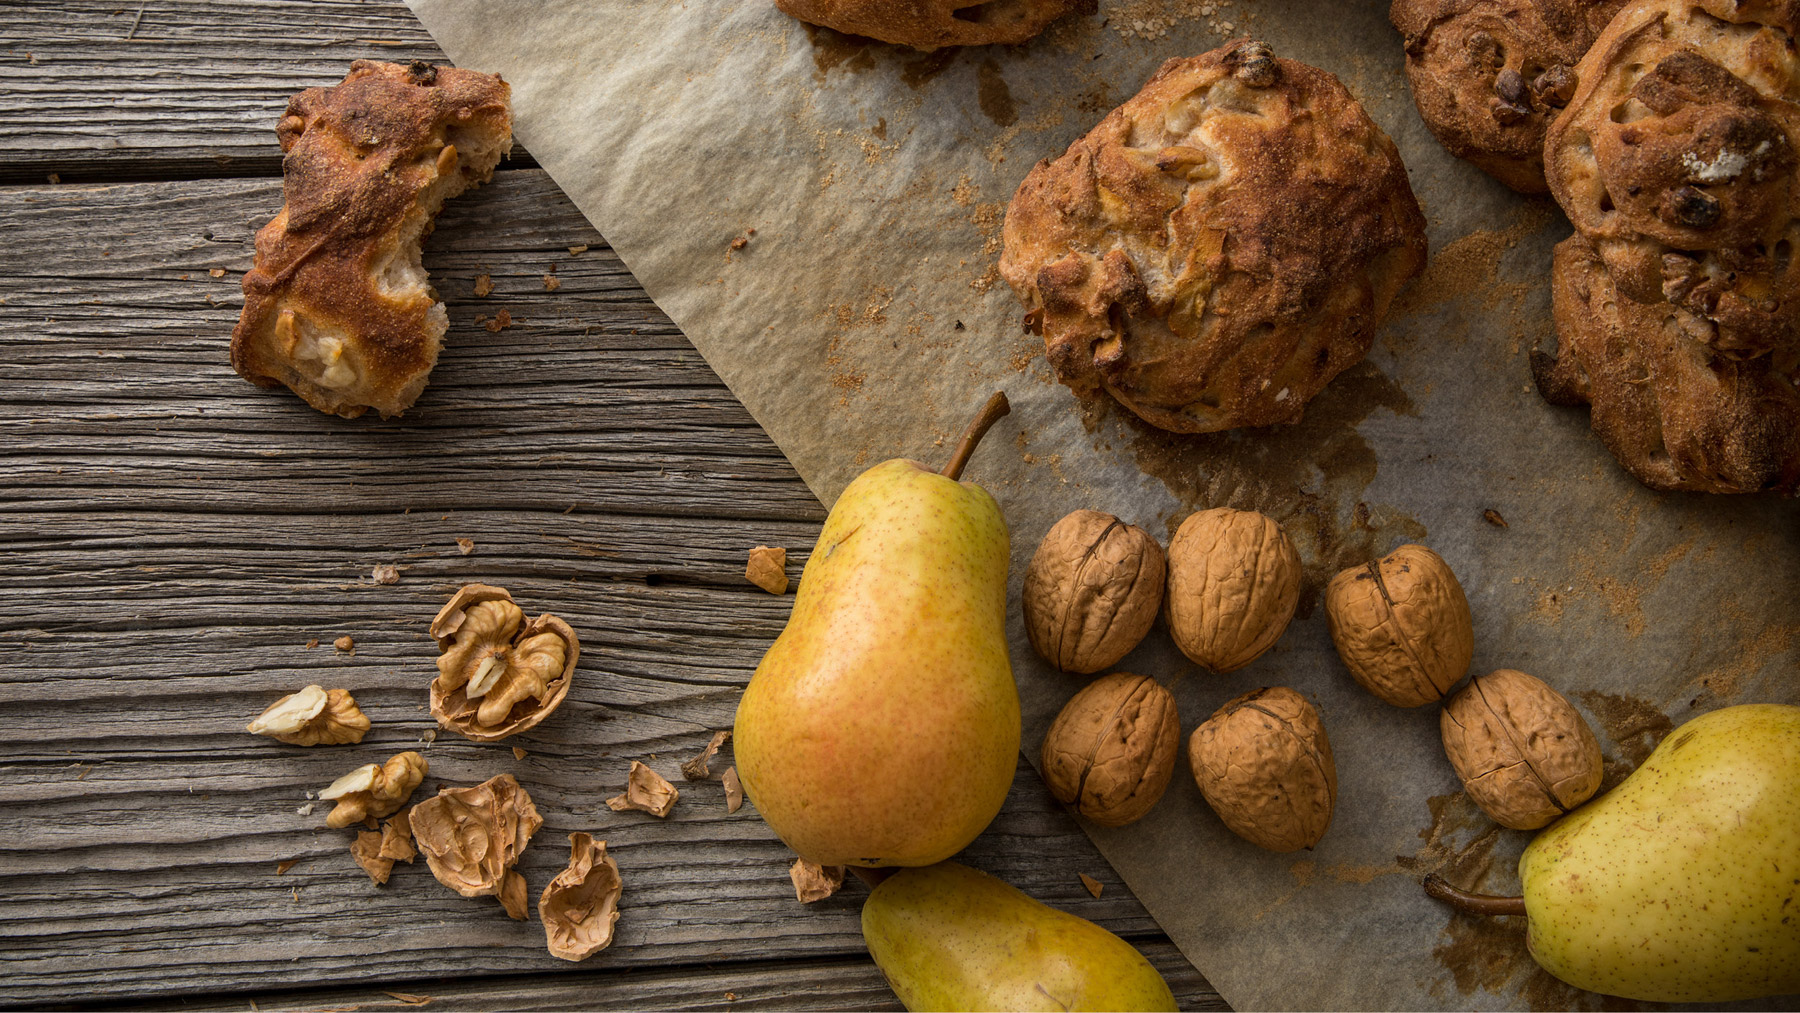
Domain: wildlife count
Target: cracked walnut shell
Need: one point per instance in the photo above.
(1092, 591)
(1524, 753)
(313, 717)
(1111, 751)
(1218, 248)
(497, 674)
(581, 904)
(1234, 582)
(932, 24)
(646, 791)
(373, 790)
(1402, 626)
(1264, 764)
(472, 836)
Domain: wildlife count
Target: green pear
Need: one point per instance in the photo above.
(1683, 883)
(882, 728)
(951, 938)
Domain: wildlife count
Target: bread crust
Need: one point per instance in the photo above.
(336, 306)
(934, 24)
(1677, 412)
(1488, 75)
(1676, 160)
(1219, 247)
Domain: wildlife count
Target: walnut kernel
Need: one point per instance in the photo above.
(472, 836)
(1111, 750)
(497, 674)
(1092, 591)
(581, 904)
(1234, 582)
(645, 790)
(312, 717)
(1524, 753)
(373, 790)
(1402, 626)
(1264, 764)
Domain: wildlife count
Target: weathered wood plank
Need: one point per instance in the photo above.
(113, 345)
(184, 535)
(176, 88)
(849, 983)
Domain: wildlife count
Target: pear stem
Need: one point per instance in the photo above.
(992, 412)
(1439, 888)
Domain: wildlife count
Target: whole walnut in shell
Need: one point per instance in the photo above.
(1402, 626)
(1111, 751)
(930, 24)
(498, 674)
(1524, 753)
(1264, 763)
(1092, 591)
(1234, 582)
(1218, 248)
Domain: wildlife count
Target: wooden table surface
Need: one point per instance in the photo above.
(173, 539)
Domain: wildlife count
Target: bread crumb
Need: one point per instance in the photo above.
(502, 320)
(344, 643)
(576, 251)
(217, 272)
(483, 285)
(314, 642)
(1493, 517)
(767, 569)
(386, 573)
(552, 283)
(739, 243)
(465, 545)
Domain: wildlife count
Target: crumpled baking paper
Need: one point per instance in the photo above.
(821, 215)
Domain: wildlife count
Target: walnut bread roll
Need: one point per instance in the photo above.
(933, 24)
(1489, 75)
(337, 306)
(1677, 302)
(1220, 246)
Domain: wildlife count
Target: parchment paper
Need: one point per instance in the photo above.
(863, 318)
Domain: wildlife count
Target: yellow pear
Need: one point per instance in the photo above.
(1683, 883)
(882, 728)
(951, 938)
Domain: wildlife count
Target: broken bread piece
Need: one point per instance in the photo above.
(338, 306)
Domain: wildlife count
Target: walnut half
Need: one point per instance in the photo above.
(581, 904)
(472, 836)
(498, 675)
(312, 717)
(374, 790)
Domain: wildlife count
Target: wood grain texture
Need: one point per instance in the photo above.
(849, 983)
(144, 89)
(176, 537)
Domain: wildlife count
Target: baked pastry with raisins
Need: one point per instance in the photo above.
(934, 24)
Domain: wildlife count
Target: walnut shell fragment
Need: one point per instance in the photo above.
(1402, 626)
(581, 904)
(1525, 755)
(472, 836)
(932, 24)
(1217, 249)
(1092, 591)
(1234, 582)
(1264, 764)
(498, 675)
(313, 717)
(767, 569)
(1111, 751)
(814, 882)
(373, 790)
(646, 791)
(734, 790)
(337, 306)
(377, 852)
(699, 768)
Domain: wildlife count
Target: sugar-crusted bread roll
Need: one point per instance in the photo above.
(933, 24)
(1676, 413)
(1489, 75)
(337, 306)
(1677, 303)
(1220, 246)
